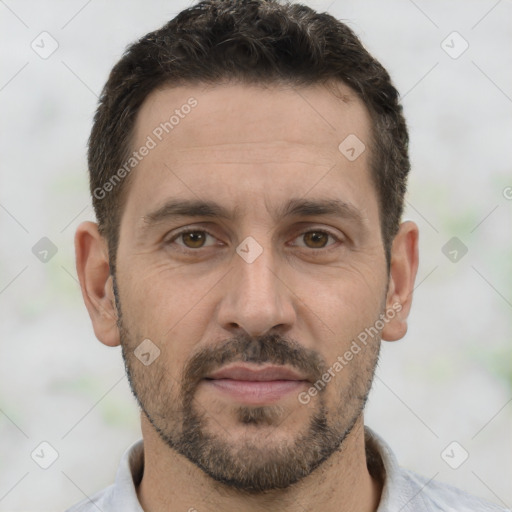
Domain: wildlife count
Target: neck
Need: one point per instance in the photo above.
(340, 484)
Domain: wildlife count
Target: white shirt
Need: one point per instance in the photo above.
(403, 490)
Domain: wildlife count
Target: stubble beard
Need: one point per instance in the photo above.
(256, 464)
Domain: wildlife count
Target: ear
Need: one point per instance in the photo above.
(404, 266)
(93, 270)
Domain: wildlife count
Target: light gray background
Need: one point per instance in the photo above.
(449, 380)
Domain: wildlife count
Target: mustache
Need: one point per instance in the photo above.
(269, 348)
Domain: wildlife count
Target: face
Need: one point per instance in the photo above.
(250, 255)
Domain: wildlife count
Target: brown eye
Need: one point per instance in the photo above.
(320, 240)
(316, 239)
(191, 239)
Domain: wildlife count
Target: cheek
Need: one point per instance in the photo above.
(350, 309)
(158, 305)
(347, 301)
(156, 296)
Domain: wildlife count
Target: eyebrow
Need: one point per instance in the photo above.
(296, 207)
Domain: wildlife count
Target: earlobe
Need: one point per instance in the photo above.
(404, 266)
(93, 271)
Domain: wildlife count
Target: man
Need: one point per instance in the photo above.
(248, 164)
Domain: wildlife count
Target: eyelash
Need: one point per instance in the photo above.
(188, 230)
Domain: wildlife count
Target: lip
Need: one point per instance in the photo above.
(255, 385)
(256, 373)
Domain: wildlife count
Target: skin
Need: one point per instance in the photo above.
(251, 148)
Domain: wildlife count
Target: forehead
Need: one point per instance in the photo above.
(246, 141)
(267, 113)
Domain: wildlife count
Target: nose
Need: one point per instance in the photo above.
(257, 298)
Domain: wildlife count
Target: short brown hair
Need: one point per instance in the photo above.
(248, 41)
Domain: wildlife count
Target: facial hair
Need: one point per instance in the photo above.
(251, 466)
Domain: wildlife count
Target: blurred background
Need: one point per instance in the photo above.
(443, 395)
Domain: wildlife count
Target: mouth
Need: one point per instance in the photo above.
(256, 385)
